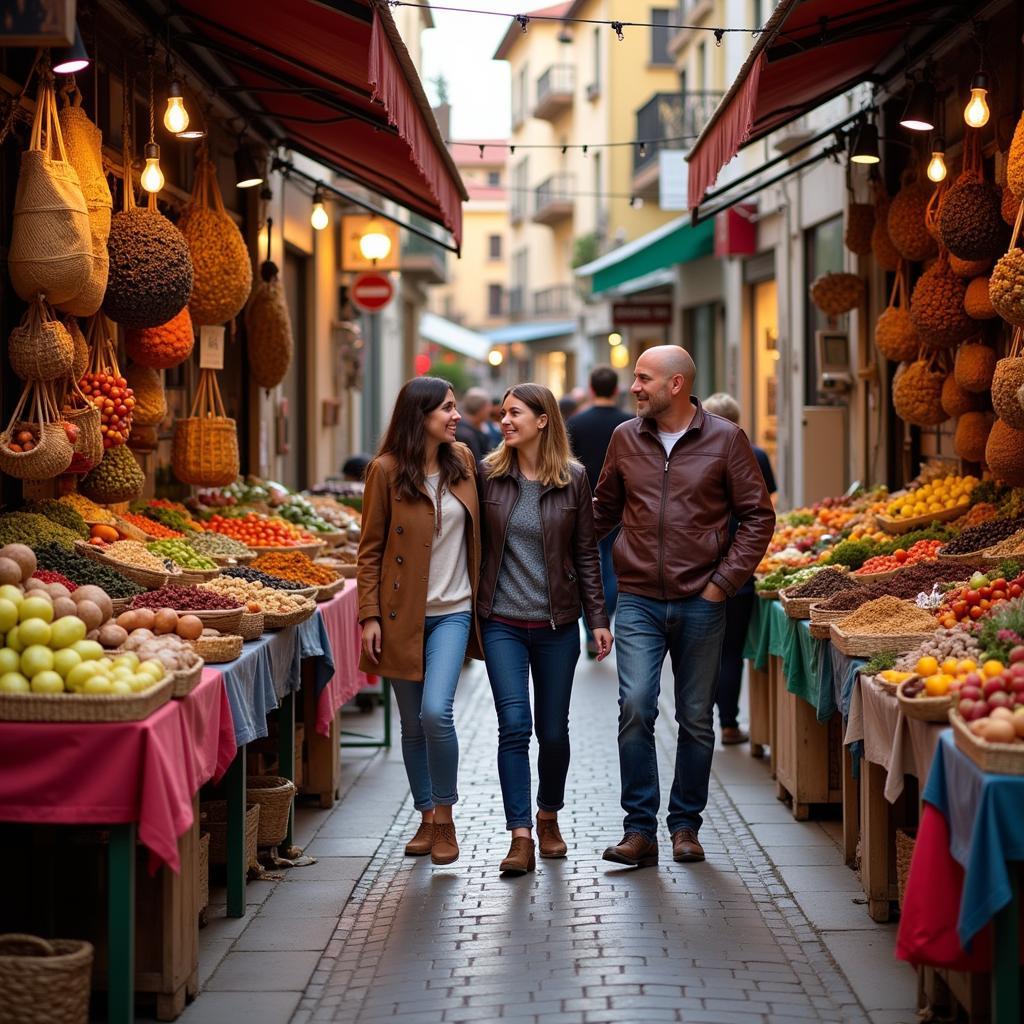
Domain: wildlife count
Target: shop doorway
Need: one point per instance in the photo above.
(764, 364)
(289, 431)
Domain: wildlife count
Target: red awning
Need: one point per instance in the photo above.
(809, 52)
(336, 83)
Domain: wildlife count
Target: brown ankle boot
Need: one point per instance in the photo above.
(420, 844)
(635, 850)
(549, 839)
(521, 857)
(445, 846)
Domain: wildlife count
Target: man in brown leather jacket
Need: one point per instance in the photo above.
(673, 478)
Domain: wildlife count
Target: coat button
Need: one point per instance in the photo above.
(396, 584)
(399, 559)
(399, 529)
(392, 615)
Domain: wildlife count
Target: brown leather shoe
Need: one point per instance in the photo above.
(445, 847)
(420, 844)
(635, 850)
(686, 847)
(521, 857)
(549, 839)
(732, 735)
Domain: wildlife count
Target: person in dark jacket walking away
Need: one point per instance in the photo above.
(674, 477)
(540, 563)
(590, 433)
(739, 607)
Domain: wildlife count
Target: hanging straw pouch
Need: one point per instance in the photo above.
(204, 449)
(40, 347)
(51, 452)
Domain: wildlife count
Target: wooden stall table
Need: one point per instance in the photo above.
(133, 780)
(755, 651)
(894, 747)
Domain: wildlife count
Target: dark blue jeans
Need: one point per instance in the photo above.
(690, 631)
(512, 654)
(730, 676)
(609, 581)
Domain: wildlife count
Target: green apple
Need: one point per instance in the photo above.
(10, 660)
(129, 658)
(14, 682)
(14, 639)
(87, 650)
(36, 659)
(35, 631)
(9, 592)
(8, 615)
(78, 674)
(154, 667)
(68, 630)
(47, 682)
(63, 661)
(36, 608)
(98, 684)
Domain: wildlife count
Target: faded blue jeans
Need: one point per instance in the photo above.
(430, 747)
(690, 631)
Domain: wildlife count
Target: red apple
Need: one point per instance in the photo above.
(993, 685)
(980, 710)
(970, 691)
(965, 707)
(999, 699)
(974, 679)
(1017, 654)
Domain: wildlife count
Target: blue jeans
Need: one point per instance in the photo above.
(512, 653)
(430, 747)
(690, 631)
(609, 581)
(730, 679)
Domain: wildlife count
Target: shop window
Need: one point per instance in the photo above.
(700, 339)
(661, 18)
(494, 178)
(823, 254)
(494, 247)
(495, 299)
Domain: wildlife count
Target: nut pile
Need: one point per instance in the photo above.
(256, 596)
(185, 599)
(907, 583)
(887, 616)
(241, 572)
(984, 535)
(181, 553)
(1013, 545)
(824, 584)
(131, 552)
(295, 566)
(945, 643)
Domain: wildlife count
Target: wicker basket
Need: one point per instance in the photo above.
(213, 816)
(313, 550)
(897, 526)
(204, 876)
(874, 577)
(224, 620)
(767, 595)
(187, 679)
(924, 709)
(44, 981)
(906, 838)
(228, 560)
(132, 532)
(274, 621)
(274, 795)
(971, 558)
(216, 650)
(84, 707)
(867, 645)
(120, 604)
(819, 630)
(193, 577)
(796, 607)
(884, 685)
(251, 626)
(148, 578)
(204, 447)
(999, 758)
(331, 590)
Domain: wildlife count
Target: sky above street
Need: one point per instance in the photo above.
(460, 48)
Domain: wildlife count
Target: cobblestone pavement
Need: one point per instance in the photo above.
(580, 940)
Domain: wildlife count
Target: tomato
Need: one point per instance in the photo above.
(985, 591)
(973, 597)
(959, 609)
(998, 594)
(1015, 590)
(999, 584)
(977, 611)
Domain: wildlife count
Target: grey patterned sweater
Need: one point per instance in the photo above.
(522, 587)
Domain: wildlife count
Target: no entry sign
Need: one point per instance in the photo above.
(371, 292)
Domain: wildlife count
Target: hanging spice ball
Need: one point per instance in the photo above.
(1015, 161)
(937, 307)
(917, 395)
(1004, 454)
(1006, 287)
(971, 224)
(907, 227)
(971, 436)
(895, 336)
(956, 401)
(977, 303)
(1010, 205)
(975, 366)
(163, 346)
(1006, 382)
(835, 294)
(968, 268)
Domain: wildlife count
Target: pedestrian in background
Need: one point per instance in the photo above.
(590, 432)
(674, 477)
(540, 564)
(418, 566)
(473, 430)
(739, 607)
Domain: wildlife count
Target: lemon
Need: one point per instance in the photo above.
(927, 666)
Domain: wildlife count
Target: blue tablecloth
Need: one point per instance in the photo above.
(986, 830)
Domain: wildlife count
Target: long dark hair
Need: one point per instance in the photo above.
(405, 439)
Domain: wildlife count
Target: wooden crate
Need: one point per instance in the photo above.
(878, 823)
(321, 768)
(759, 700)
(808, 765)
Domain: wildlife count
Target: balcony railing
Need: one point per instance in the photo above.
(555, 90)
(554, 199)
(671, 115)
(516, 302)
(421, 258)
(553, 301)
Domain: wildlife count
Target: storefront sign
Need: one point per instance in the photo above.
(211, 348)
(636, 314)
(736, 231)
(371, 292)
(353, 227)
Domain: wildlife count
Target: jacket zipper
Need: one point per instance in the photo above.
(547, 575)
(504, 541)
(661, 527)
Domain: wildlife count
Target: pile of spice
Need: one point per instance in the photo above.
(88, 510)
(217, 545)
(244, 572)
(150, 526)
(984, 535)
(131, 552)
(295, 566)
(1013, 545)
(824, 584)
(82, 571)
(185, 599)
(907, 583)
(887, 616)
(60, 513)
(54, 577)
(33, 529)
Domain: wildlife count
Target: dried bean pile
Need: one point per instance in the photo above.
(984, 535)
(131, 552)
(185, 599)
(824, 584)
(242, 572)
(54, 577)
(82, 570)
(888, 616)
(907, 583)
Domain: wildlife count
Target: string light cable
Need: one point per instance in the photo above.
(641, 145)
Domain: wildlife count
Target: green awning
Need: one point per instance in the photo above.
(684, 243)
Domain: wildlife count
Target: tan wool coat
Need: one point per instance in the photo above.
(394, 566)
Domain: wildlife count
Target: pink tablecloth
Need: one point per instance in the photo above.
(341, 623)
(110, 773)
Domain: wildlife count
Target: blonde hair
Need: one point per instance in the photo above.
(722, 404)
(554, 457)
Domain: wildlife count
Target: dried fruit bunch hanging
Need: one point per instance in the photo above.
(1015, 161)
(117, 478)
(937, 307)
(895, 337)
(971, 223)
(267, 324)
(956, 401)
(974, 367)
(40, 347)
(1006, 283)
(969, 268)
(977, 303)
(223, 272)
(162, 347)
(885, 253)
(1004, 454)
(104, 385)
(1007, 382)
(907, 225)
(971, 436)
(37, 443)
(835, 294)
(917, 393)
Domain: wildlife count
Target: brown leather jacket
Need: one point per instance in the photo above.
(675, 510)
(570, 546)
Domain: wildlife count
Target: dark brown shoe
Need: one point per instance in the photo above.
(420, 844)
(635, 850)
(733, 735)
(549, 839)
(521, 857)
(686, 847)
(445, 847)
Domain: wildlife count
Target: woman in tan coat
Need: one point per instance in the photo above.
(419, 561)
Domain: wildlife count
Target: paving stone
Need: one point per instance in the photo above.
(264, 972)
(250, 1007)
(300, 933)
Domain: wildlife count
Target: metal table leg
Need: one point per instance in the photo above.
(286, 752)
(367, 741)
(1006, 1005)
(234, 790)
(121, 924)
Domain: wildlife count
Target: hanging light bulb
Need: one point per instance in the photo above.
(319, 218)
(152, 179)
(976, 112)
(865, 149)
(175, 116)
(375, 242)
(937, 165)
(495, 357)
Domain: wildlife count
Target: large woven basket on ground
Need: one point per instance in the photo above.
(274, 795)
(44, 981)
(213, 818)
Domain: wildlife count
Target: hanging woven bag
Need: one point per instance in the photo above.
(937, 307)
(1007, 382)
(51, 245)
(975, 366)
(268, 326)
(35, 444)
(1004, 454)
(1015, 161)
(80, 360)
(895, 337)
(40, 347)
(1006, 282)
(223, 270)
(204, 450)
(105, 386)
(77, 410)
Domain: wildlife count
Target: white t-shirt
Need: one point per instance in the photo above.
(668, 440)
(448, 588)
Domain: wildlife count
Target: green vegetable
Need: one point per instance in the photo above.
(852, 553)
(181, 553)
(1009, 569)
(61, 513)
(879, 663)
(1002, 630)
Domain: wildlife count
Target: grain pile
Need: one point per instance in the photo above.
(824, 584)
(888, 616)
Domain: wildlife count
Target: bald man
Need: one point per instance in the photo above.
(674, 477)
